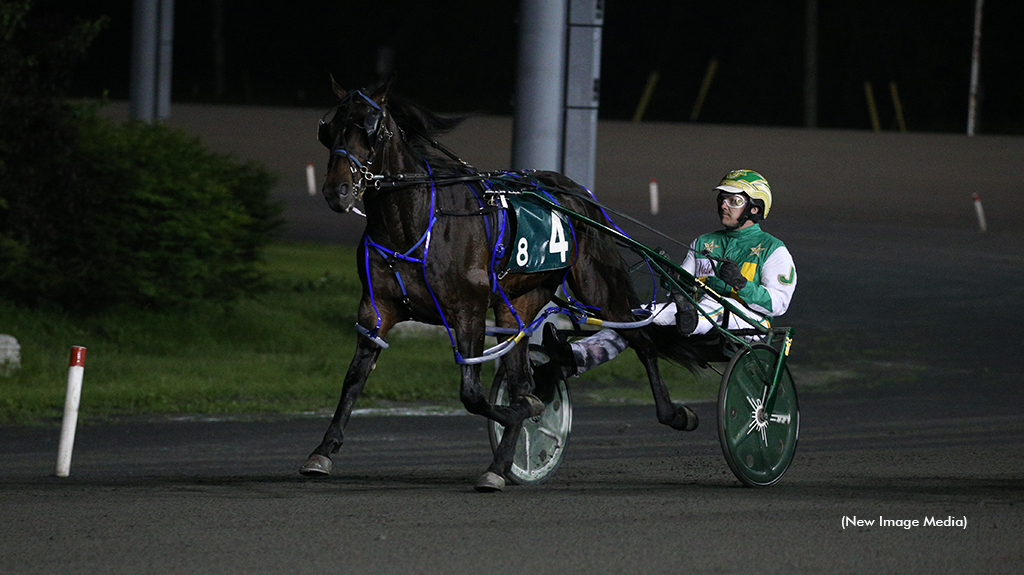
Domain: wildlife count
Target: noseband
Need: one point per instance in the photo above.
(376, 130)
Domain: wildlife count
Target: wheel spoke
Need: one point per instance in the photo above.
(524, 438)
(553, 435)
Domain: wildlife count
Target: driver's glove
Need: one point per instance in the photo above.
(729, 272)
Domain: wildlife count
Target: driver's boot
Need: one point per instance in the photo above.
(561, 364)
(686, 315)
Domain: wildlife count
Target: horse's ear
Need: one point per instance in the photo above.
(338, 90)
(380, 95)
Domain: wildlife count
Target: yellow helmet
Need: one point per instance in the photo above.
(750, 183)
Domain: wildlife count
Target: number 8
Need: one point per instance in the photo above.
(522, 255)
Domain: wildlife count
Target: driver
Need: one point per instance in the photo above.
(740, 262)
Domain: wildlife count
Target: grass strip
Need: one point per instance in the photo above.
(285, 350)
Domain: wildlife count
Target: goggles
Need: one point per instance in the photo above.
(732, 200)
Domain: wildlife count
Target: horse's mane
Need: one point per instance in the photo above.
(422, 127)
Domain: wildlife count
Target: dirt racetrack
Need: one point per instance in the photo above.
(909, 359)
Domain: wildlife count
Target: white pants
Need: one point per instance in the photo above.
(665, 314)
(603, 346)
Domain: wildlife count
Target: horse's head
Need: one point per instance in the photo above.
(356, 131)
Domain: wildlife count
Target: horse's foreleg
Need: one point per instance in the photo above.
(521, 405)
(319, 462)
(518, 381)
(520, 385)
(494, 478)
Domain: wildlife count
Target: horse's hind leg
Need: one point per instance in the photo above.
(675, 416)
(319, 462)
(603, 282)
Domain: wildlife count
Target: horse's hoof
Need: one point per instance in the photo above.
(317, 466)
(691, 419)
(535, 405)
(683, 419)
(490, 482)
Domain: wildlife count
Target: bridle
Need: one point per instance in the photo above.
(376, 131)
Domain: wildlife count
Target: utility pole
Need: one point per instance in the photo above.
(540, 86)
(811, 64)
(972, 101)
(151, 62)
(582, 90)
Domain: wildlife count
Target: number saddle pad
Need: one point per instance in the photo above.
(542, 238)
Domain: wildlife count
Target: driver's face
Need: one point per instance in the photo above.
(730, 216)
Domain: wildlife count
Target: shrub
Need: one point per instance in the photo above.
(95, 213)
(150, 217)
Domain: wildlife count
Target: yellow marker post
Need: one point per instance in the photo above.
(872, 109)
(704, 87)
(641, 108)
(898, 106)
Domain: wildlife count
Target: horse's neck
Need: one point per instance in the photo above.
(399, 217)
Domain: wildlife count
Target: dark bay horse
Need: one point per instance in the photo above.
(431, 252)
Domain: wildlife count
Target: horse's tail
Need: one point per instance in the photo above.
(673, 347)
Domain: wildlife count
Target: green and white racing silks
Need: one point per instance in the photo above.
(763, 259)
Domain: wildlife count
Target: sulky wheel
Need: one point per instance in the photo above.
(543, 439)
(758, 446)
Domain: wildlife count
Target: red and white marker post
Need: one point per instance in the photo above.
(76, 370)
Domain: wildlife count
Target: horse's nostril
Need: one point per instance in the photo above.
(338, 197)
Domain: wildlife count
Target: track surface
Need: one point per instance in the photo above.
(631, 497)
(909, 361)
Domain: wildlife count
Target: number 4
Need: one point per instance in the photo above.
(557, 243)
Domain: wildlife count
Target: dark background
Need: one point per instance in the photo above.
(460, 55)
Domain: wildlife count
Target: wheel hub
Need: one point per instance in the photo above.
(758, 419)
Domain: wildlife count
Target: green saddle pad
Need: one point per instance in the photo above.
(543, 238)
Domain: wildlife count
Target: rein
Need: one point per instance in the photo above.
(399, 181)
